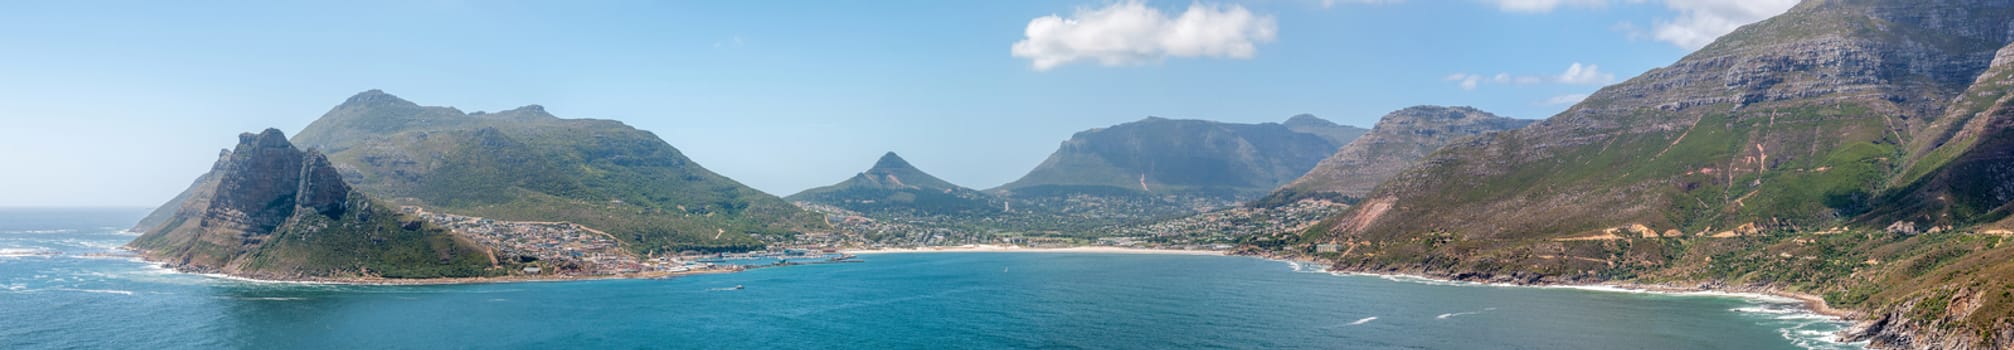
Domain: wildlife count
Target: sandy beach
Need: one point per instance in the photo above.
(991, 248)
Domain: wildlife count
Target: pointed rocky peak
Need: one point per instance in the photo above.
(890, 161)
(891, 171)
(271, 138)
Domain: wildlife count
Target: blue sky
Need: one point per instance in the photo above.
(123, 103)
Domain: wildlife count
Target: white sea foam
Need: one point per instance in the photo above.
(41, 232)
(27, 252)
(274, 298)
(1805, 328)
(1362, 321)
(99, 291)
(1456, 314)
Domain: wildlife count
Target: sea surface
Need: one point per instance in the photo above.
(890, 301)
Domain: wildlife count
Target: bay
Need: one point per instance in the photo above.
(890, 301)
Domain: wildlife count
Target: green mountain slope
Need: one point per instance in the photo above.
(1960, 170)
(1395, 143)
(528, 165)
(1793, 122)
(892, 184)
(269, 210)
(1847, 149)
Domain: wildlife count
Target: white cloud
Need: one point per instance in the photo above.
(1699, 22)
(1333, 3)
(1542, 6)
(1589, 74)
(1576, 74)
(1566, 99)
(1130, 33)
(1467, 81)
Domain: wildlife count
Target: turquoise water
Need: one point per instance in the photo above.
(934, 301)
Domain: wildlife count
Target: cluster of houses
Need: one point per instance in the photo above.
(550, 247)
(1225, 225)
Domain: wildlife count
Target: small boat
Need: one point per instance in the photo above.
(737, 287)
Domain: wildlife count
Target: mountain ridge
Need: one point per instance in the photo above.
(1778, 158)
(1157, 155)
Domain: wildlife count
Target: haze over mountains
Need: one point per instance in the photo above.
(1189, 157)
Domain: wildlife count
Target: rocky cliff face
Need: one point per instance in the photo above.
(1399, 139)
(269, 210)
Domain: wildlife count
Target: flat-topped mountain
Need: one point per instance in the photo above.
(892, 184)
(1166, 156)
(525, 164)
(1877, 117)
(270, 210)
(1395, 143)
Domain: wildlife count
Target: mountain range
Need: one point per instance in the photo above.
(1195, 157)
(1843, 149)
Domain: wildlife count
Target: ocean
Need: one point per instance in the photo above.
(890, 301)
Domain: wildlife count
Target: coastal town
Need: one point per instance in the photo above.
(563, 249)
(1220, 229)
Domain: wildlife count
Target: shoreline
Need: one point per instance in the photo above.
(437, 281)
(1816, 305)
(362, 281)
(990, 248)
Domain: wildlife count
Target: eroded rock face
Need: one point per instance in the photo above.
(270, 210)
(252, 190)
(1399, 139)
(257, 188)
(321, 188)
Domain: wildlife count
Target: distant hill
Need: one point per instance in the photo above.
(1399, 139)
(1337, 134)
(892, 184)
(525, 164)
(1158, 156)
(269, 210)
